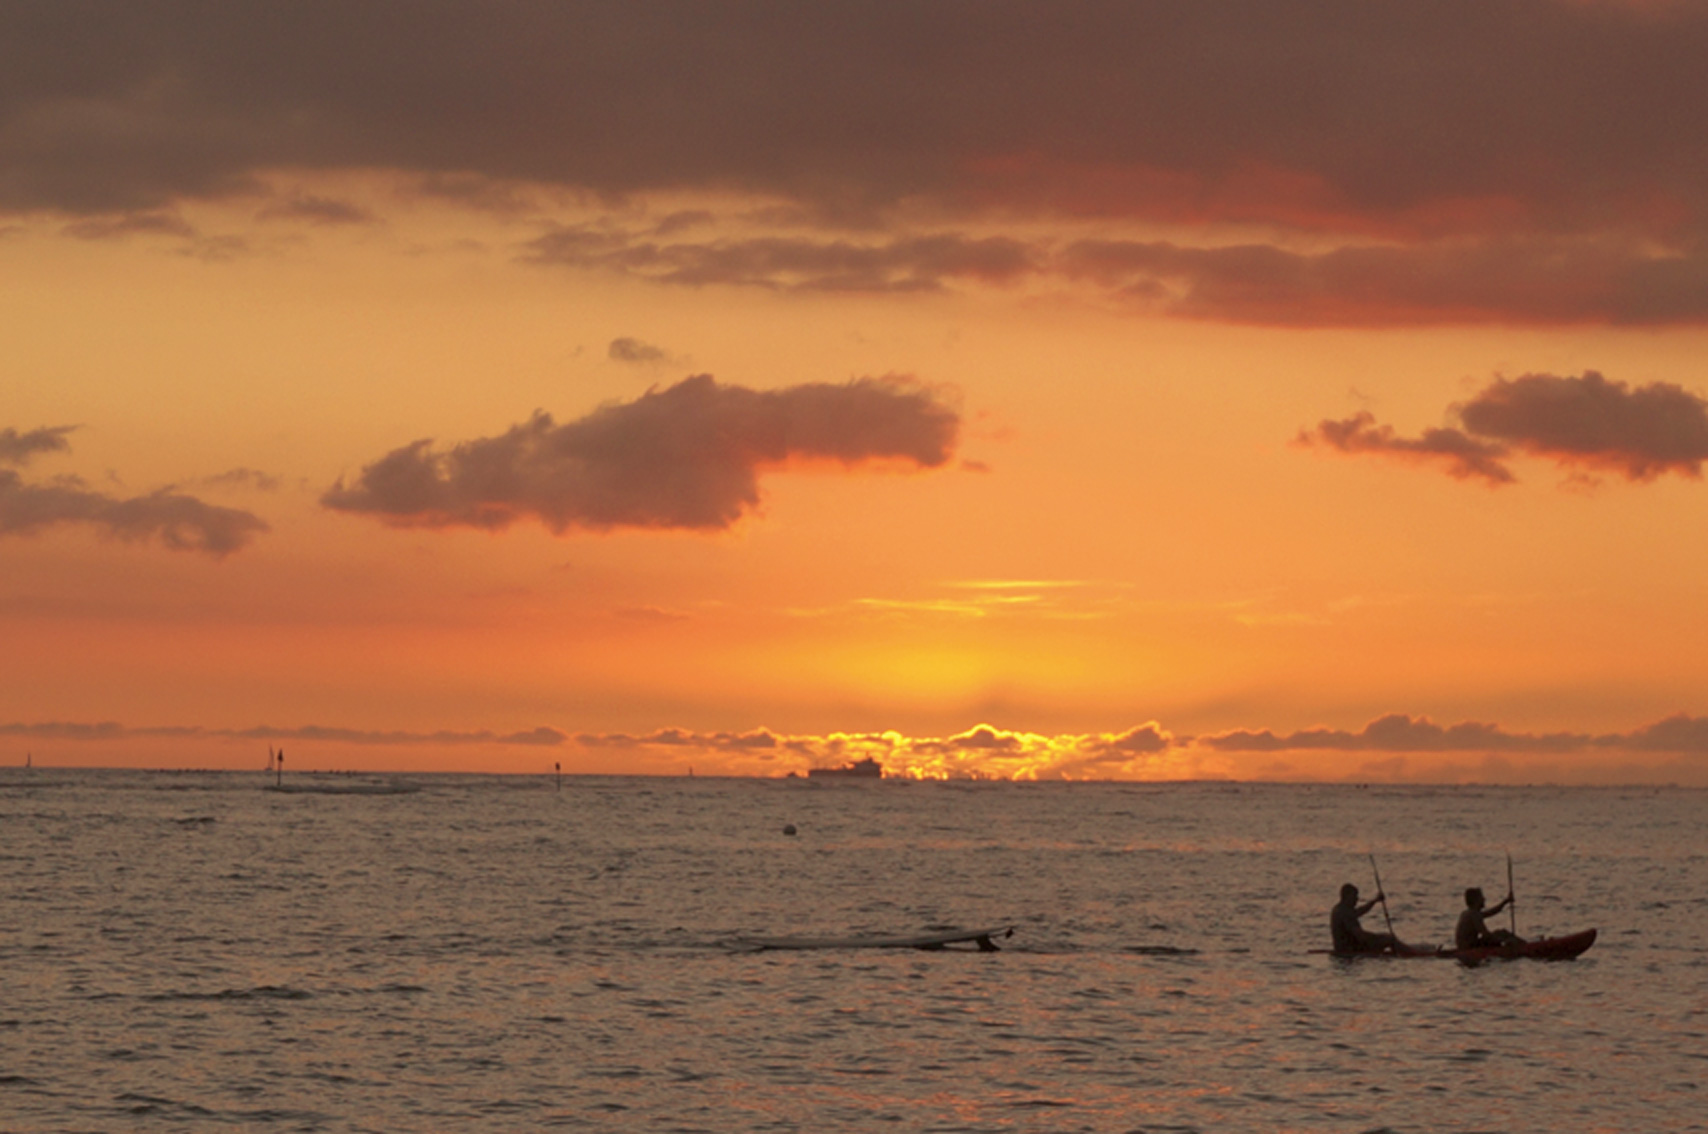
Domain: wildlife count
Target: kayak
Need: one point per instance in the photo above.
(1541, 949)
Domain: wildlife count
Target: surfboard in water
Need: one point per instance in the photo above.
(982, 939)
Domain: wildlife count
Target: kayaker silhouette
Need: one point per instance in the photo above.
(1472, 933)
(1351, 937)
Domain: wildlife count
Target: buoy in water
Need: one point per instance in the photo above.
(788, 828)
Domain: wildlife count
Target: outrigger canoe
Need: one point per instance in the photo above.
(1541, 949)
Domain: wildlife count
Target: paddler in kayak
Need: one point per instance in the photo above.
(1351, 937)
(1472, 933)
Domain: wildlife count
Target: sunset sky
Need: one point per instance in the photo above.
(1085, 390)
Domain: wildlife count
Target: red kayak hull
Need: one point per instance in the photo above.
(1541, 949)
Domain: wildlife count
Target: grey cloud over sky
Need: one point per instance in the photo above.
(20, 448)
(1562, 111)
(1464, 457)
(686, 457)
(794, 263)
(177, 521)
(1680, 739)
(628, 349)
(1528, 160)
(1396, 733)
(112, 730)
(1586, 424)
(1536, 280)
(173, 519)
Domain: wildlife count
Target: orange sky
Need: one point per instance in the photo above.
(1134, 391)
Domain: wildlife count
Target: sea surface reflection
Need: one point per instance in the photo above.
(186, 951)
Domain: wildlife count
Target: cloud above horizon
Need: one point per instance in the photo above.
(1462, 752)
(1472, 160)
(177, 521)
(687, 457)
(1585, 424)
(113, 730)
(1151, 752)
(1146, 751)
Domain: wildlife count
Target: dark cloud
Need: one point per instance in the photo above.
(1681, 733)
(1397, 733)
(121, 225)
(625, 349)
(1639, 432)
(66, 730)
(1456, 114)
(1586, 422)
(1538, 280)
(1466, 458)
(177, 521)
(987, 752)
(245, 478)
(685, 457)
(792, 263)
(984, 738)
(1144, 739)
(546, 737)
(1546, 278)
(20, 448)
(1535, 160)
(316, 210)
(757, 740)
(112, 730)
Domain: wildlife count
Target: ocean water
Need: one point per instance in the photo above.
(187, 952)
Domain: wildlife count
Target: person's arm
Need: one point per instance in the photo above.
(1371, 904)
(1498, 906)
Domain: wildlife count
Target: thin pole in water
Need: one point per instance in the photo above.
(557, 767)
(279, 769)
(1383, 894)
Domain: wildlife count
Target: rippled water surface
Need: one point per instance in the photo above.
(189, 952)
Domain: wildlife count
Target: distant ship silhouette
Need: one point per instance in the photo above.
(867, 769)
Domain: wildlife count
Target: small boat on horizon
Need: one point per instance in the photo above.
(867, 769)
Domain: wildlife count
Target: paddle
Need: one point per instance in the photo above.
(1383, 894)
(1512, 906)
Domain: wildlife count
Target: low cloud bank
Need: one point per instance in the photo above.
(112, 730)
(1395, 748)
(1586, 424)
(1146, 751)
(1151, 752)
(687, 457)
